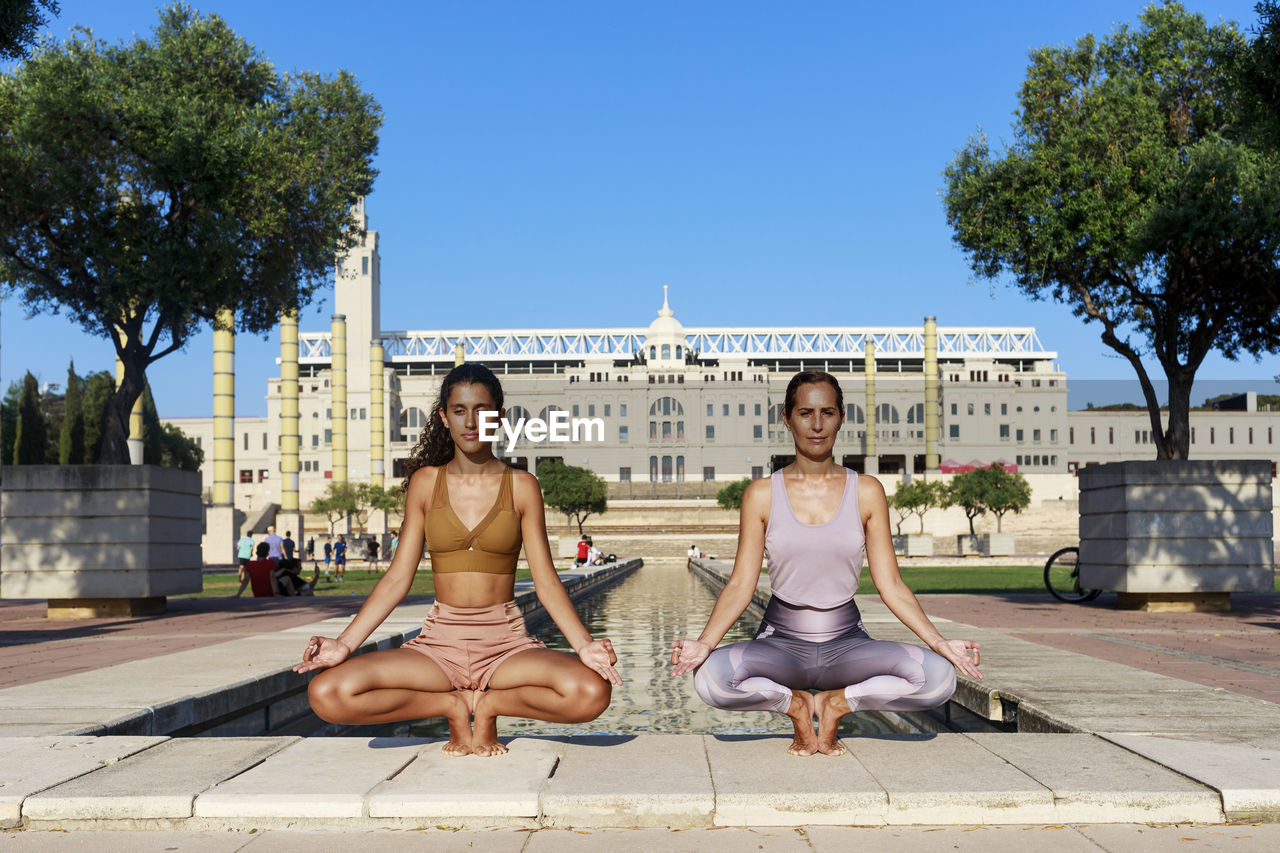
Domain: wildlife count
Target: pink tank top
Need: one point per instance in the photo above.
(815, 565)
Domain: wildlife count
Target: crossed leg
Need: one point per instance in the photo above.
(389, 686)
(541, 684)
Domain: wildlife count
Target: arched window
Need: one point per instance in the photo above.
(678, 355)
(666, 350)
(515, 413)
(853, 414)
(412, 421)
(666, 406)
(915, 414)
(775, 413)
(653, 351)
(888, 413)
(545, 414)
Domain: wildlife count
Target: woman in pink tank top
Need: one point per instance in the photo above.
(815, 521)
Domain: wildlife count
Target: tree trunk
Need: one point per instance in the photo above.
(115, 446)
(1177, 440)
(972, 532)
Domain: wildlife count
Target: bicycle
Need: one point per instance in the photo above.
(1062, 577)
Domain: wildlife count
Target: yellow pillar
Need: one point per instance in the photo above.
(224, 409)
(134, 439)
(869, 374)
(289, 438)
(931, 458)
(459, 354)
(338, 395)
(377, 452)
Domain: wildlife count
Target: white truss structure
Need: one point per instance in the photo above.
(782, 343)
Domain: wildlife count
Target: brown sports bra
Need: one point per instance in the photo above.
(493, 546)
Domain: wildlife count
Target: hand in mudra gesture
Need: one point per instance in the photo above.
(600, 657)
(322, 653)
(688, 655)
(963, 654)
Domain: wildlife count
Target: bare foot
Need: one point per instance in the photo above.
(801, 713)
(459, 718)
(484, 736)
(830, 706)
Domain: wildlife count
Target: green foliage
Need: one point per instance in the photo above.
(576, 492)
(166, 444)
(9, 420)
(29, 441)
(1257, 69)
(71, 435)
(730, 497)
(382, 499)
(991, 489)
(146, 186)
(99, 388)
(917, 498)
(339, 501)
(20, 22)
(1127, 194)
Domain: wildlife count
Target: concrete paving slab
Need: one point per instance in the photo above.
(965, 839)
(653, 780)
(462, 791)
(313, 778)
(950, 779)
(137, 841)
(388, 841)
(694, 840)
(1093, 780)
(1247, 777)
(1126, 838)
(29, 765)
(810, 789)
(162, 782)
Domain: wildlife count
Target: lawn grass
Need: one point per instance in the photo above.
(981, 580)
(358, 582)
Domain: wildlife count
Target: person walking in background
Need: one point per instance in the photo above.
(395, 543)
(288, 545)
(340, 558)
(244, 552)
(374, 547)
(310, 552)
(275, 545)
(328, 556)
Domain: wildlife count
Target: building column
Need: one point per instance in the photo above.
(872, 463)
(338, 396)
(459, 354)
(931, 457)
(221, 527)
(290, 441)
(377, 447)
(134, 441)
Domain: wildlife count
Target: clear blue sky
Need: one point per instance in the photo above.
(774, 163)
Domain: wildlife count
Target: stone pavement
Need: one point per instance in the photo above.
(1096, 742)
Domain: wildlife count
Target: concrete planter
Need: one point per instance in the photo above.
(914, 545)
(100, 540)
(967, 546)
(1176, 534)
(995, 544)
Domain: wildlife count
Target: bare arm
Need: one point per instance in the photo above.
(894, 592)
(597, 654)
(741, 586)
(391, 588)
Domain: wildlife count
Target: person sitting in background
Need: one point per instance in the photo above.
(593, 556)
(261, 573)
(694, 552)
(583, 547)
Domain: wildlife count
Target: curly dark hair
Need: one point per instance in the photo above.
(435, 445)
(810, 377)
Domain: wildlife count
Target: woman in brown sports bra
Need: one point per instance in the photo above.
(473, 661)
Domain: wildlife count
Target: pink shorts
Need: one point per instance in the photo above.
(469, 643)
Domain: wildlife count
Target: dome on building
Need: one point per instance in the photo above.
(664, 339)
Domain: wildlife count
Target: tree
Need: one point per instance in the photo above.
(1127, 194)
(966, 491)
(917, 498)
(730, 497)
(98, 390)
(71, 435)
(339, 501)
(576, 492)
(29, 439)
(166, 444)
(1004, 491)
(148, 186)
(9, 420)
(382, 499)
(20, 20)
(1257, 68)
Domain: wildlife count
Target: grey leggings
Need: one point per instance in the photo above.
(803, 648)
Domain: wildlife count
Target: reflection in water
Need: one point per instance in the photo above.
(642, 615)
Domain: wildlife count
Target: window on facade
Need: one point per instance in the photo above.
(678, 351)
(757, 410)
(757, 431)
(1017, 435)
(986, 408)
(622, 409)
(653, 430)
(915, 414)
(1111, 435)
(666, 469)
(363, 415)
(1004, 408)
(1093, 435)
(624, 475)
(622, 433)
(1004, 430)
(711, 410)
(246, 441)
(1231, 435)
(1035, 435)
(353, 413)
(328, 436)
(971, 408)
(591, 410)
(666, 430)
(955, 408)
(315, 440)
(708, 473)
(1053, 435)
(679, 430)
(1071, 435)
(262, 474)
(711, 432)
(607, 410)
(724, 410)
(888, 413)
(1251, 435)
(757, 471)
(246, 475)
(954, 431)
(852, 413)
(679, 469)
(742, 409)
(665, 406)
(653, 469)
(666, 350)
(575, 410)
(412, 420)
(364, 265)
